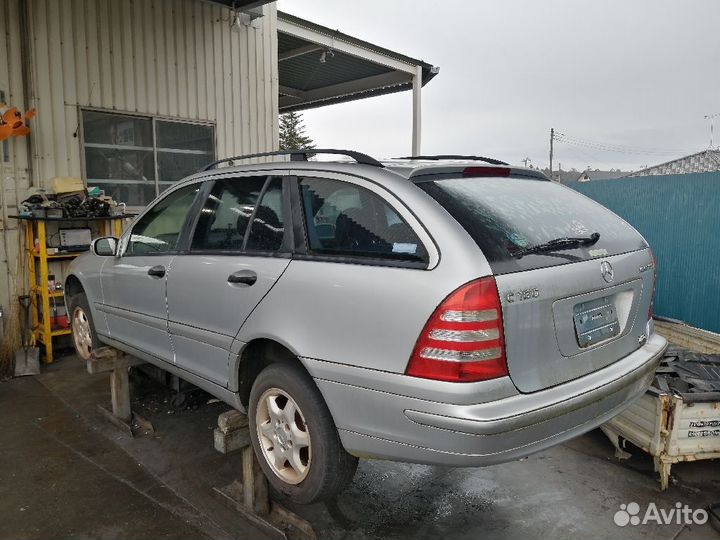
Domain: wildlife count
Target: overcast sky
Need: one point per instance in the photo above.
(638, 73)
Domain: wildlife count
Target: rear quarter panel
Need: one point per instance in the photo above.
(365, 315)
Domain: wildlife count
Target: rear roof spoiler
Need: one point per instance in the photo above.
(454, 157)
(423, 174)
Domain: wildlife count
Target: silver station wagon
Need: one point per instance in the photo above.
(445, 310)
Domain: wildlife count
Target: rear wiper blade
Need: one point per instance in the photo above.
(558, 244)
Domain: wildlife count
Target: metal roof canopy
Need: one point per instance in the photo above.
(319, 66)
(241, 5)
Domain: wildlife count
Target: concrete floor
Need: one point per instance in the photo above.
(66, 472)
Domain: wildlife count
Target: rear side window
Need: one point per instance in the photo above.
(505, 215)
(347, 220)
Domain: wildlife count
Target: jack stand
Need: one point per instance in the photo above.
(107, 359)
(251, 496)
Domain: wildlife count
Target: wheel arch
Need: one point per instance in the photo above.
(255, 355)
(73, 285)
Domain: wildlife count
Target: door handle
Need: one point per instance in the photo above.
(157, 271)
(243, 277)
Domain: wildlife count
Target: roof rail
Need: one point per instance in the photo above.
(441, 157)
(300, 155)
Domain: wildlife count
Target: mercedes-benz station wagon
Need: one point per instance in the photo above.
(442, 310)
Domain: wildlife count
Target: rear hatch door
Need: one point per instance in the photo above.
(569, 311)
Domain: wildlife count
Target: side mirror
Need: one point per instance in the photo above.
(105, 246)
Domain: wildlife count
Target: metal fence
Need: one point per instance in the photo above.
(679, 215)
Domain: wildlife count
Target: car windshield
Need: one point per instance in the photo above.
(508, 215)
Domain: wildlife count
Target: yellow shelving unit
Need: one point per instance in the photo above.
(42, 298)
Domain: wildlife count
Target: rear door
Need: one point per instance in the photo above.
(238, 250)
(567, 312)
(134, 284)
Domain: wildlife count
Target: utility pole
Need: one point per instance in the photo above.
(552, 138)
(526, 161)
(711, 117)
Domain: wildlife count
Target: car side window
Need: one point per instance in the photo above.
(159, 229)
(226, 214)
(348, 220)
(268, 228)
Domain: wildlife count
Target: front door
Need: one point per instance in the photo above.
(134, 284)
(239, 249)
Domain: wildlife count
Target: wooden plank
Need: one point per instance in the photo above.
(120, 394)
(693, 338)
(248, 468)
(231, 441)
(232, 420)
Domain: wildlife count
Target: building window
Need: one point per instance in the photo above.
(135, 158)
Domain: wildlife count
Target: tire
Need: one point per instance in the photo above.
(85, 338)
(322, 468)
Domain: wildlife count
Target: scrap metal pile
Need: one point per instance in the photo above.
(687, 372)
(70, 200)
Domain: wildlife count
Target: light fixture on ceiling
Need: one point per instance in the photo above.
(249, 17)
(327, 53)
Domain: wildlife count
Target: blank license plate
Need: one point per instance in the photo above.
(595, 321)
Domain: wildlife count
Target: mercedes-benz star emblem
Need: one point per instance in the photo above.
(606, 270)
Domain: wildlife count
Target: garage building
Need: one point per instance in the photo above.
(131, 96)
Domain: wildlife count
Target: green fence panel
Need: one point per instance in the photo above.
(679, 215)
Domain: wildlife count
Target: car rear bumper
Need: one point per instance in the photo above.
(385, 425)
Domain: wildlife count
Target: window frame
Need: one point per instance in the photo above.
(286, 250)
(302, 245)
(154, 118)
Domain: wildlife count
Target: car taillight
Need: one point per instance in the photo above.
(652, 297)
(463, 341)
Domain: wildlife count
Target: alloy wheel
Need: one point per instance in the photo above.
(82, 333)
(283, 435)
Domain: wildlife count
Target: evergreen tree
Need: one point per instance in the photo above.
(292, 132)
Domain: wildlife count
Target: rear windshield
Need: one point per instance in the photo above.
(505, 215)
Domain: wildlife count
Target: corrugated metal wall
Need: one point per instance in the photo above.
(174, 58)
(679, 215)
(14, 174)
